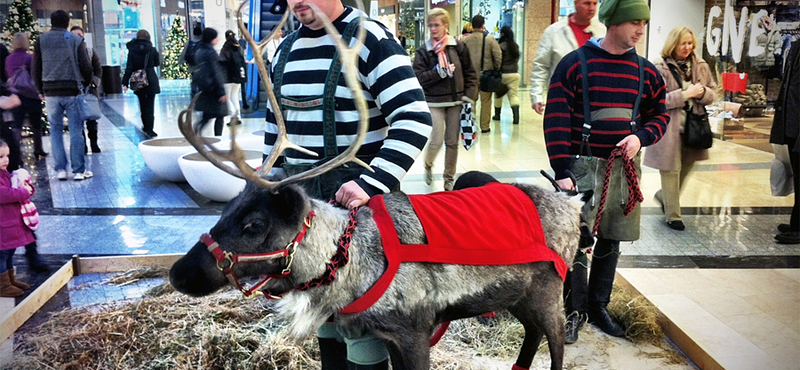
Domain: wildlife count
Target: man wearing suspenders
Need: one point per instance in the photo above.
(624, 99)
(320, 115)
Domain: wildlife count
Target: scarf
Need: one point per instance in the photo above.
(440, 48)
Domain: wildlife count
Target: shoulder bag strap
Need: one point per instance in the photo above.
(329, 93)
(483, 52)
(74, 63)
(635, 111)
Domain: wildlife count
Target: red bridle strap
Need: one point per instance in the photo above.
(226, 260)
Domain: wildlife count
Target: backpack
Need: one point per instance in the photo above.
(190, 51)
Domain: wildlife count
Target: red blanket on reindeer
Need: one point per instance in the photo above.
(496, 224)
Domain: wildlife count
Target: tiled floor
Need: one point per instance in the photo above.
(725, 269)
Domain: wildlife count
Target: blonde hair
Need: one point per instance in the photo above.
(441, 14)
(674, 39)
(20, 41)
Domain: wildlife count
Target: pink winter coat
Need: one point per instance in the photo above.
(665, 155)
(13, 232)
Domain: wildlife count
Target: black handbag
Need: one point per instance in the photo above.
(491, 80)
(696, 130)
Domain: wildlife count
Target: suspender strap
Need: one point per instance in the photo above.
(329, 93)
(277, 76)
(635, 111)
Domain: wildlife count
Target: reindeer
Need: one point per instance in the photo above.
(319, 258)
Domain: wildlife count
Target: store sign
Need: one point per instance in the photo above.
(732, 33)
(435, 3)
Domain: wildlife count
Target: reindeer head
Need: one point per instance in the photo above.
(260, 223)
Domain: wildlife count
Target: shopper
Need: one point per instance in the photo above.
(786, 130)
(142, 55)
(689, 84)
(444, 69)
(510, 51)
(486, 47)
(97, 72)
(582, 149)
(13, 231)
(59, 60)
(209, 78)
(233, 65)
(21, 62)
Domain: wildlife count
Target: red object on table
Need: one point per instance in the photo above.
(736, 82)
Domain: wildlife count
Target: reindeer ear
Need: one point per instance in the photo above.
(585, 196)
(290, 201)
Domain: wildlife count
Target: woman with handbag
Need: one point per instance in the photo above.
(18, 67)
(143, 56)
(444, 69)
(690, 86)
(232, 59)
(511, 77)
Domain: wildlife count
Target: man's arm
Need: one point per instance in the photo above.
(653, 109)
(540, 75)
(36, 66)
(558, 119)
(497, 54)
(84, 61)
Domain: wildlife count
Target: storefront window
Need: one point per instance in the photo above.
(121, 21)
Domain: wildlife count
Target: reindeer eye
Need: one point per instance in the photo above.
(252, 226)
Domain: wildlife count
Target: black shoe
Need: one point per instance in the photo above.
(40, 155)
(151, 134)
(96, 149)
(575, 322)
(788, 238)
(600, 318)
(784, 228)
(485, 131)
(245, 106)
(676, 225)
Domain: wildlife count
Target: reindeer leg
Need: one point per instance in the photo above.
(410, 350)
(542, 315)
(533, 334)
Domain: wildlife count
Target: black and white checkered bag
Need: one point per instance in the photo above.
(468, 128)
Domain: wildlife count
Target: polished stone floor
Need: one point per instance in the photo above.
(729, 212)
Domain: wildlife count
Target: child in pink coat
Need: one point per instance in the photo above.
(13, 230)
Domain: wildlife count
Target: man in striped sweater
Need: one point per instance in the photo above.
(399, 127)
(400, 121)
(580, 149)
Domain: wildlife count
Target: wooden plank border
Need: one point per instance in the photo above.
(15, 318)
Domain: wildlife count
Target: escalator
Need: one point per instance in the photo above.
(263, 21)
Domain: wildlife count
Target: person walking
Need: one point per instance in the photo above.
(209, 78)
(18, 63)
(399, 126)
(142, 55)
(510, 51)
(579, 143)
(187, 54)
(444, 69)
(97, 78)
(485, 55)
(233, 64)
(689, 85)
(59, 60)
(558, 40)
(786, 130)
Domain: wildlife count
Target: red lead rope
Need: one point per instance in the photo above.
(341, 258)
(634, 193)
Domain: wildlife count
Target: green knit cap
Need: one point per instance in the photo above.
(613, 12)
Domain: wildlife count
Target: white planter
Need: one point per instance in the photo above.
(210, 181)
(252, 141)
(161, 155)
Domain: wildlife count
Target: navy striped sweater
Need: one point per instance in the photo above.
(613, 87)
(400, 122)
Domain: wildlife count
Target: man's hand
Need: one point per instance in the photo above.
(223, 99)
(538, 107)
(633, 145)
(566, 184)
(351, 195)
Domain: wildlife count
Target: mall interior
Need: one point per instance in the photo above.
(727, 292)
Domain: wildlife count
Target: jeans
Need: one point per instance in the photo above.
(57, 106)
(6, 259)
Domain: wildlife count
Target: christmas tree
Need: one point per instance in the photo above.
(176, 39)
(20, 19)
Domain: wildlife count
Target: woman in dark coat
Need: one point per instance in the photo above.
(786, 130)
(233, 63)
(140, 50)
(209, 78)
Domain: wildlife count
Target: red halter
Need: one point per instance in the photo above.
(226, 260)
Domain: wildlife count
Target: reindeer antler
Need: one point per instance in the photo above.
(349, 57)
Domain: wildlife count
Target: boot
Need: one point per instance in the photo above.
(601, 282)
(515, 111)
(333, 354)
(497, 114)
(38, 149)
(575, 292)
(6, 289)
(383, 365)
(91, 126)
(35, 262)
(16, 282)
